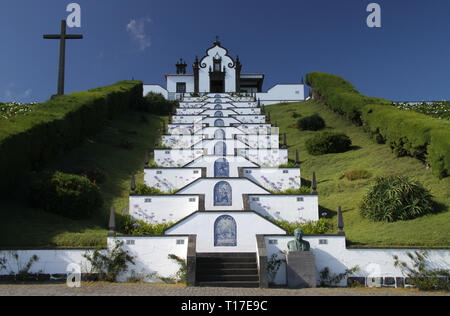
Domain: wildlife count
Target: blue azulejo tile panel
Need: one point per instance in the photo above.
(223, 194)
(225, 232)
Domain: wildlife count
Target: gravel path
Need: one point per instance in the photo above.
(106, 289)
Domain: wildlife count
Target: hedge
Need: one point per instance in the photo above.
(407, 133)
(27, 143)
(340, 95)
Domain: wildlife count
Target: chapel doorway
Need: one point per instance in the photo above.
(217, 86)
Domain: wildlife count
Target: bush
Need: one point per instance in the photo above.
(309, 228)
(408, 133)
(340, 95)
(311, 123)
(395, 198)
(66, 194)
(155, 103)
(28, 142)
(328, 142)
(141, 228)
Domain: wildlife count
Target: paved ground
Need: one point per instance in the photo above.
(102, 289)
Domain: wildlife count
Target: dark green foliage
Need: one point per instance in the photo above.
(309, 228)
(395, 198)
(109, 264)
(28, 142)
(328, 142)
(411, 134)
(155, 103)
(142, 189)
(340, 95)
(311, 123)
(408, 133)
(69, 195)
(329, 280)
(141, 228)
(424, 274)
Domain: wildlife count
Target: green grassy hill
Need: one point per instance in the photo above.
(429, 231)
(22, 227)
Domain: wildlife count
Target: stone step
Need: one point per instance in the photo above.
(227, 271)
(237, 278)
(227, 265)
(248, 284)
(225, 260)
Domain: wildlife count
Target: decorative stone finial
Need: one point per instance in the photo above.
(297, 160)
(147, 159)
(276, 123)
(268, 117)
(340, 222)
(314, 183)
(112, 222)
(133, 183)
(284, 141)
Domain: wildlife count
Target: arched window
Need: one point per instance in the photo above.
(219, 123)
(223, 194)
(221, 168)
(225, 232)
(218, 114)
(219, 134)
(220, 149)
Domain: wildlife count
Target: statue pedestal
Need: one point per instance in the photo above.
(301, 270)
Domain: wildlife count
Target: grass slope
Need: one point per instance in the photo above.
(22, 227)
(428, 231)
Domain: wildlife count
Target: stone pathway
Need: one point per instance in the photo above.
(107, 289)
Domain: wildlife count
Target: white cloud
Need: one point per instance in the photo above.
(27, 93)
(136, 28)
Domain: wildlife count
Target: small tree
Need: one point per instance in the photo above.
(311, 123)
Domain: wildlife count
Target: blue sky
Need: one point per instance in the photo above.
(408, 58)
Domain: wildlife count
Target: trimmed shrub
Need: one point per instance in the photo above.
(311, 123)
(28, 142)
(340, 95)
(143, 189)
(408, 133)
(395, 198)
(327, 143)
(68, 195)
(155, 103)
(411, 134)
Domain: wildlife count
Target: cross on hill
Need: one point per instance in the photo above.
(62, 54)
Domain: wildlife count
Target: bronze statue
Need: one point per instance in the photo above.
(298, 244)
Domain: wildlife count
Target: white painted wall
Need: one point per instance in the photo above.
(180, 141)
(249, 225)
(275, 179)
(173, 79)
(251, 119)
(239, 187)
(265, 157)
(175, 157)
(209, 144)
(207, 62)
(282, 93)
(227, 120)
(151, 255)
(235, 162)
(155, 209)
(50, 261)
(335, 256)
(186, 119)
(291, 208)
(168, 180)
(156, 89)
(260, 141)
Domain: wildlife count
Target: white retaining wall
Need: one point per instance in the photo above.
(239, 187)
(162, 209)
(234, 162)
(335, 256)
(151, 255)
(265, 157)
(248, 226)
(168, 180)
(275, 179)
(291, 208)
(282, 93)
(175, 157)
